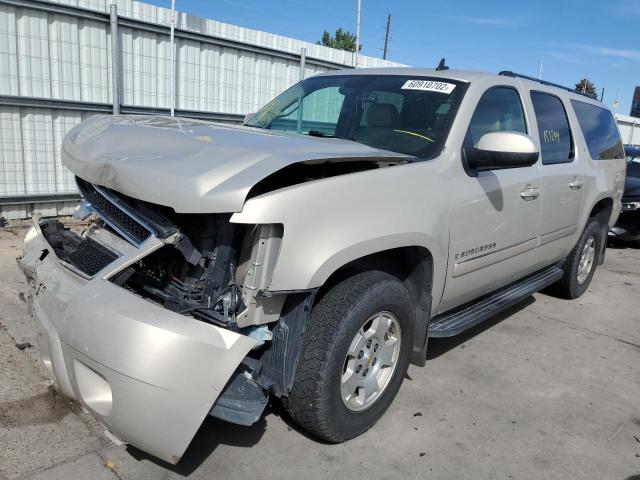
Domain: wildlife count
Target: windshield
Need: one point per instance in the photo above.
(404, 114)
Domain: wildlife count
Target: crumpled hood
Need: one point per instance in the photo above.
(191, 165)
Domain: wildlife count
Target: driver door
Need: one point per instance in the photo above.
(495, 214)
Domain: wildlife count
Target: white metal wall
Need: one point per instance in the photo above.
(629, 129)
(64, 56)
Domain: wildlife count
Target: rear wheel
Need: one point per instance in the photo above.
(354, 356)
(581, 262)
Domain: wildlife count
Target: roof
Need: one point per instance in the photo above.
(460, 75)
(464, 76)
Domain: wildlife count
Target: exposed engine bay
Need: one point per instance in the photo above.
(200, 280)
(208, 268)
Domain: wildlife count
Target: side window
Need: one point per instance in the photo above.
(499, 110)
(600, 131)
(553, 127)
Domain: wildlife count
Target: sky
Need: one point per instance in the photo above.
(572, 39)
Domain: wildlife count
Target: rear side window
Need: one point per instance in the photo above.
(553, 127)
(600, 131)
(499, 110)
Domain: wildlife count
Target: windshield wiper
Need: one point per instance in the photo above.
(318, 133)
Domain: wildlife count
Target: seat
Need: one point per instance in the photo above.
(380, 118)
(418, 115)
(383, 115)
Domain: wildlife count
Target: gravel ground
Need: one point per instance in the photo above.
(550, 389)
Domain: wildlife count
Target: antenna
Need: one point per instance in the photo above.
(442, 65)
(386, 37)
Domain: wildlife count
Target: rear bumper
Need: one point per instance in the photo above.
(148, 374)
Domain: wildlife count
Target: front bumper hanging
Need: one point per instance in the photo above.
(148, 374)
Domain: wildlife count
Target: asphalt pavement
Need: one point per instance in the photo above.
(549, 389)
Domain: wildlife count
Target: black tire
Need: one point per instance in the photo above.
(569, 287)
(315, 401)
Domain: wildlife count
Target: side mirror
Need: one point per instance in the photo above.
(247, 116)
(500, 150)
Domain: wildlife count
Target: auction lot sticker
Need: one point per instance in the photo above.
(429, 86)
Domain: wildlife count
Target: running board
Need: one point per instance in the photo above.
(457, 321)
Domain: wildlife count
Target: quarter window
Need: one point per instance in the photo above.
(499, 110)
(600, 131)
(553, 128)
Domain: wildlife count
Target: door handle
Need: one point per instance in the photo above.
(576, 184)
(530, 193)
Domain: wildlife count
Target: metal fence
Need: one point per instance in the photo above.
(629, 129)
(57, 67)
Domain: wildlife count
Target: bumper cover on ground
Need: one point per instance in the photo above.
(148, 374)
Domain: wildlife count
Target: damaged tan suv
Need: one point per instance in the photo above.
(310, 253)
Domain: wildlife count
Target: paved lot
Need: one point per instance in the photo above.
(549, 390)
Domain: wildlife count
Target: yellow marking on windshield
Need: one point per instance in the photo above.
(415, 135)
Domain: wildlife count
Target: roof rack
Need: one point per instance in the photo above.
(508, 73)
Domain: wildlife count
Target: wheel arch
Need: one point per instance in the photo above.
(413, 266)
(602, 209)
(601, 212)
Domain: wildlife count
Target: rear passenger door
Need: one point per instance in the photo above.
(561, 178)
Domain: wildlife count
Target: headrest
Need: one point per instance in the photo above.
(383, 115)
(418, 114)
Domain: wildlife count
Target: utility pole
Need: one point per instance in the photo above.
(358, 33)
(172, 69)
(540, 71)
(386, 37)
(602, 94)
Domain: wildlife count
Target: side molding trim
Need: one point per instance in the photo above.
(558, 234)
(476, 263)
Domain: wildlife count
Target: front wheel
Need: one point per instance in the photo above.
(581, 262)
(355, 354)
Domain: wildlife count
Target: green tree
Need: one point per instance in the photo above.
(342, 40)
(586, 86)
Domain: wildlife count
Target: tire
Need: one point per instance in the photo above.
(574, 282)
(335, 328)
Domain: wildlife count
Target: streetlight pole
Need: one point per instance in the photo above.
(617, 102)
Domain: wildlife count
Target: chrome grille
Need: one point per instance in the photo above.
(112, 214)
